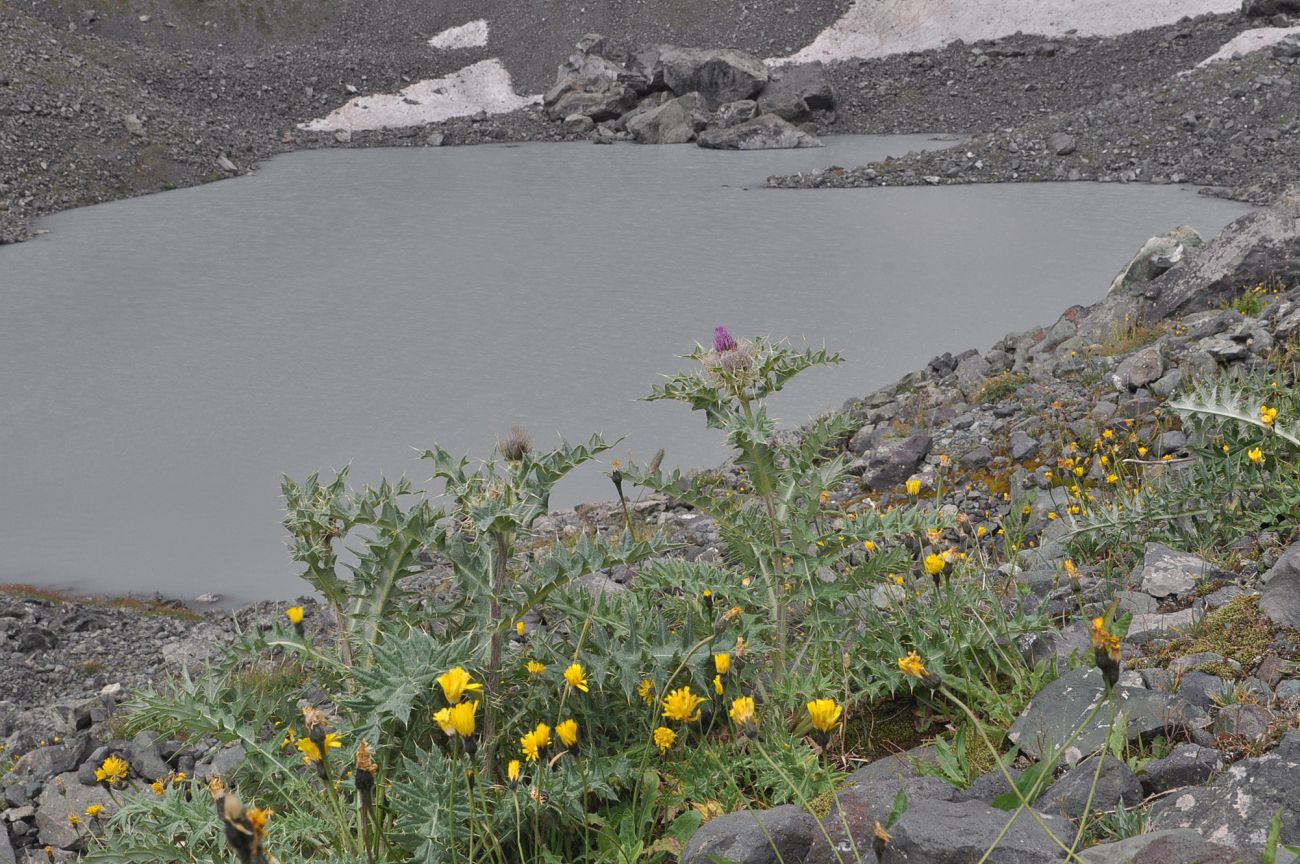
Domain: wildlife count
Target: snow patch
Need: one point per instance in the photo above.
(875, 28)
(1249, 41)
(483, 86)
(471, 35)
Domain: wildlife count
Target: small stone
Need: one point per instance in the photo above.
(1116, 784)
(1187, 765)
(343, 136)
(1061, 143)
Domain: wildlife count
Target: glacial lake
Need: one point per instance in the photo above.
(167, 358)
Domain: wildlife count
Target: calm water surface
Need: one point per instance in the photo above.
(166, 358)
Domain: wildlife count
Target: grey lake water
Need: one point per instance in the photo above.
(166, 358)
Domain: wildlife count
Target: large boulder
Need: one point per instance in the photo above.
(1052, 716)
(1157, 256)
(719, 75)
(766, 132)
(852, 820)
(1176, 846)
(591, 96)
(1166, 572)
(894, 461)
(794, 92)
(670, 123)
(753, 837)
(950, 832)
(63, 798)
(1237, 808)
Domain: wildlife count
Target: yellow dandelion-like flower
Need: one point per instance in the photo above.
(519, 628)
(742, 711)
(455, 683)
(1267, 415)
(158, 787)
(911, 665)
(535, 669)
(94, 810)
(567, 732)
(113, 770)
(443, 718)
(682, 705)
(312, 753)
(824, 714)
(981, 531)
(1256, 455)
(513, 770)
(913, 487)
(462, 718)
(74, 820)
(1142, 451)
(722, 663)
(1112, 479)
(934, 564)
(535, 742)
(717, 684)
(664, 738)
(294, 614)
(646, 690)
(577, 677)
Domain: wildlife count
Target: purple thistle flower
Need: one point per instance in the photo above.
(722, 341)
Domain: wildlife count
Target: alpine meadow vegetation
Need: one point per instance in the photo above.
(505, 711)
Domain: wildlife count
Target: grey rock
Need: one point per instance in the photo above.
(949, 832)
(595, 97)
(224, 163)
(1170, 442)
(1201, 688)
(1236, 809)
(852, 820)
(765, 132)
(1139, 369)
(1166, 572)
(223, 764)
(1137, 602)
(1281, 597)
(1191, 662)
(753, 837)
(1268, 8)
(718, 75)
(1173, 846)
(145, 759)
(6, 850)
(894, 461)
(1069, 795)
(435, 139)
(977, 458)
(134, 125)
(735, 113)
(44, 762)
(972, 374)
(579, 124)
(1187, 765)
(1157, 256)
(1245, 721)
(1061, 143)
(64, 797)
(988, 786)
(1055, 713)
(899, 766)
(670, 123)
(1147, 628)
(807, 82)
(1288, 689)
(1023, 446)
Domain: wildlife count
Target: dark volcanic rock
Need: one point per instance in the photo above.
(949, 832)
(719, 75)
(1115, 785)
(753, 837)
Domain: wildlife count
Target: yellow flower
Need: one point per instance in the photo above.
(717, 684)
(94, 810)
(682, 705)
(535, 669)
(742, 710)
(74, 820)
(912, 665)
(311, 753)
(462, 718)
(913, 487)
(1142, 451)
(513, 770)
(869, 545)
(519, 628)
(1256, 456)
(981, 531)
(1079, 472)
(664, 738)
(294, 614)
(1051, 516)
(824, 713)
(567, 732)
(443, 718)
(646, 690)
(455, 683)
(933, 534)
(158, 788)
(898, 580)
(722, 663)
(934, 564)
(290, 736)
(1112, 479)
(112, 771)
(1108, 434)
(257, 818)
(535, 742)
(577, 677)
(1267, 415)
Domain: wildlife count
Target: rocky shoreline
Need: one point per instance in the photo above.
(981, 425)
(91, 117)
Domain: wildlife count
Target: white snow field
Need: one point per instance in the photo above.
(1248, 41)
(875, 28)
(482, 86)
(471, 35)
